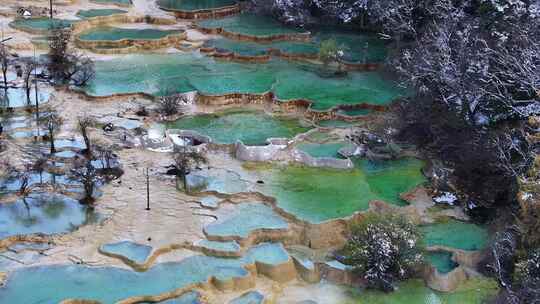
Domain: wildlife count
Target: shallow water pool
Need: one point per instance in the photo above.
(250, 127)
(43, 213)
(99, 12)
(456, 234)
(250, 24)
(115, 33)
(317, 195)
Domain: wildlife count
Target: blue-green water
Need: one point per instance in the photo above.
(52, 284)
(231, 246)
(246, 218)
(442, 260)
(317, 195)
(188, 298)
(193, 5)
(250, 24)
(42, 24)
(322, 150)
(250, 127)
(135, 252)
(114, 34)
(250, 297)
(189, 72)
(99, 12)
(119, 2)
(16, 97)
(456, 234)
(357, 48)
(43, 213)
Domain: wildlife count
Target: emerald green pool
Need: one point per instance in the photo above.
(456, 234)
(119, 2)
(322, 150)
(44, 24)
(251, 127)
(356, 47)
(317, 195)
(366, 48)
(355, 112)
(99, 12)
(250, 24)
(474, 291)
(248, 48)
(193, 5)
(189, 72)
(114, 33)
(442, 261)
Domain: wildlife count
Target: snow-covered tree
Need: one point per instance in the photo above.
(383, 249)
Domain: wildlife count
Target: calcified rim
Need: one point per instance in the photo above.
(300, 36)
(233, 56)
(132, 44)
(205, 11)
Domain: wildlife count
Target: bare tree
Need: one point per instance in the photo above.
(28, 69)
(86, 174)
(170, 101)
(24, 181)
(185, 162)
(4, 63)
(39, 165)
(83, 123)
(53, 122)
(83, 70)
(66, 65)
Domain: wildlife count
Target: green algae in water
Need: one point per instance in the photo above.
(99, 12)
(250, 24)
(189, 72)
(317, 195)
(112, 284)
(42, 23)
(247, 218)
(251, 127)
(441, 260)
(193, 5)
(473, 291)
(456, 234)
(114, 33)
